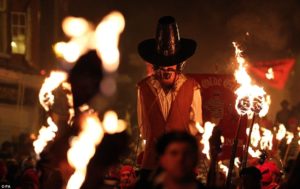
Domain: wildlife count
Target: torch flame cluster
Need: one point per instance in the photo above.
(46, 98)
(104, 39)
(262, 138)
(250, 98)
(207, 132)
(84, 145)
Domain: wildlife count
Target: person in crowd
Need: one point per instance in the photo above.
(270, 175)
(127, 177)
(283, 115)
(178, 157)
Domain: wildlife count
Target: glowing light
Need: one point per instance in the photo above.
(111, 123)
(253, 153)
(75, 27)
(46, 134)
(289, 137)
(281, 132)
(266, 141)
(208, 128)
(250, 98)
(107, 39)
(255, 137)
(223, 167)
(52, 82)
(237, 162)
(199, 127)
(270, 74)
(83, 148)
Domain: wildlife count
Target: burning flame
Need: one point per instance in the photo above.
(223, 167)
(250, 98)
(199, 128)
(46, 134)
(111, 123)
(107, 39)
(68, 90)
(208, 128)
(253, 153)
(52, 82)
(83, 148)
(289, 137)
(270, 74)
(46, 99)
(255, 137)
(266, 140)
(281, 132)
(104, 39)
(75, 27)
(237, 162)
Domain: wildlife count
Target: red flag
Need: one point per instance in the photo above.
(274, 72)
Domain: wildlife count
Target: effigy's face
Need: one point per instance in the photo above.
(166, 75)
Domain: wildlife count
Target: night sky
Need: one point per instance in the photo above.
(273, 27)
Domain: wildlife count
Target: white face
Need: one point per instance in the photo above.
(166, 75)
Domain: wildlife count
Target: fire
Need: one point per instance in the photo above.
(107, 39)
(75, 27)
(46, 134)
(208, 128)
(83, 148)
(104, 39)
(199, 128)
(46, 99)
(270, 74)
(253, 153)
(266, 140)
(68, 90)
(281, 132)
(255, 137)
(237, 162)
(289, 137)
(223, 167)
(250, 98)
(111, 123)
(52, 82)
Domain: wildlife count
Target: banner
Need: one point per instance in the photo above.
(218, 106)
(274, 72)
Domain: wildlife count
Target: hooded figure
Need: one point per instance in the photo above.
(167, 100)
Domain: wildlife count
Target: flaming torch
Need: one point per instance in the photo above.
(251, 100)
(46, 98)
(105, 41)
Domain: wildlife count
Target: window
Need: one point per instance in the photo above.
(18, 32)
(3, 27)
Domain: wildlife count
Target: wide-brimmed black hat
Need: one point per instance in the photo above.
(167, 49)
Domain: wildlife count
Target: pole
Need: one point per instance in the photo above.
(245, 156)
(233, 153)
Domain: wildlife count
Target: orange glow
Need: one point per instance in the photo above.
(46, 134)
(223, 167)
(270, 74)
(111, 123)
(250, 98)
(255, 136)
(75, 27)
(107, 38)
(281, 132)
(199, 127)
(266, 141)
(52, 82)
(289, 137)
(83, 148)
(208, 128)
